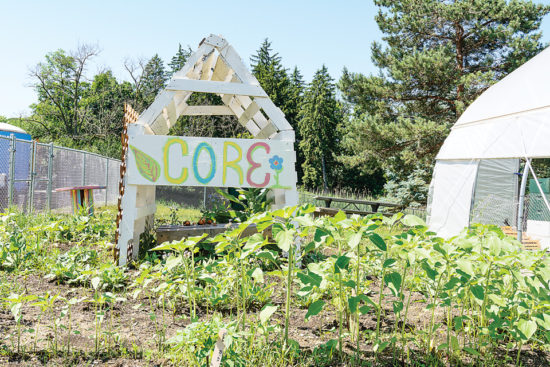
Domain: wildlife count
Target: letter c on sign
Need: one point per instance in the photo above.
(183, 176)
(254, 165)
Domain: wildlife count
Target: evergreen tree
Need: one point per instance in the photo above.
(273, 77)
(154, 78)
(318, 123)
(439, 56)
(179, 59)
(295, 98)
(293, 106)
(286, 91)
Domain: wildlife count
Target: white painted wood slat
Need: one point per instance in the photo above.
(206, 86)
(207, 111)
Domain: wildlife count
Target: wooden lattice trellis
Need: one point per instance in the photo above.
(130, 117)
(215, 68)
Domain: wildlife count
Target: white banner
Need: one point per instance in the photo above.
(185, 161)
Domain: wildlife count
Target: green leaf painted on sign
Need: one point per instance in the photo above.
(147, 166)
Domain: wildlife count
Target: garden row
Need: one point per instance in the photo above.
(366, 290)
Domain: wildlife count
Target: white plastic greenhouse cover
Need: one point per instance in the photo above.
(509, 120)
(451, 196)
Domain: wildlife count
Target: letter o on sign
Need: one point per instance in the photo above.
(212, 172)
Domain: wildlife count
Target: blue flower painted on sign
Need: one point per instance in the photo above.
(276, 163)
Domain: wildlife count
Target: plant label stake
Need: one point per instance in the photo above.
(217, 355)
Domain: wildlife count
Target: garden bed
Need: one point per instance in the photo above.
(416, 293)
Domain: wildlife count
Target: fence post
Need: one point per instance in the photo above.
(84, 169)
(106, 180)
(11, 175)
(33, 174)
(50, 176)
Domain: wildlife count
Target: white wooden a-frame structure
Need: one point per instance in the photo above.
(214, 68)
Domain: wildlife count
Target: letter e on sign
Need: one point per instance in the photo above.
(254, 165)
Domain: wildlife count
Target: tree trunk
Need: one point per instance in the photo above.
(459, 42)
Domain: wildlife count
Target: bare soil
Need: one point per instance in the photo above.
(135, 330)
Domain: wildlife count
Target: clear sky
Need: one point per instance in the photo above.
(305, 33)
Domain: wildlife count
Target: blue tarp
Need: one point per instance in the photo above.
(23, 149)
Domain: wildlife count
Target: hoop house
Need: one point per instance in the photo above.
(476, 176)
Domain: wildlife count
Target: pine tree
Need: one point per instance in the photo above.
(286, 91)
(295, 98)
(154, 78)
(318, 123)
(273, 77)
(179, 59)
(293, 106)
(437, 58)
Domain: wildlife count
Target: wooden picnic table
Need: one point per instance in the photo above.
(82, 196)
(352, 206)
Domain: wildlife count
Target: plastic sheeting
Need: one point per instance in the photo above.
(495, 192)
(518, 136)
(525, 89)
(509, 120)
(451, 196)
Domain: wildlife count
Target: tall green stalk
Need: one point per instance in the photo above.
(406, 312)
(432, 319)
(243, 291)
(189, 286)
(341, 302)
(288, 293)
(357, 293)
(194, 281)
(380, 296)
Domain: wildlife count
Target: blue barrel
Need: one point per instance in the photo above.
(23, 149)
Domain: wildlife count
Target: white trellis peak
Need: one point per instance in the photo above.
(215, 67)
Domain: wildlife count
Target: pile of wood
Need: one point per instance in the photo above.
(527, 242)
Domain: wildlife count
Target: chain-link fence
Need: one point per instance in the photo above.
(503, 211)
(30, 173)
